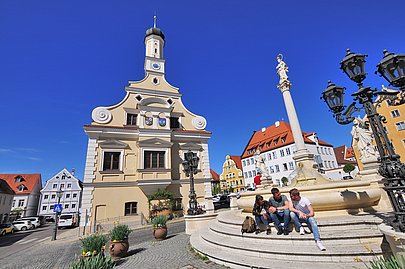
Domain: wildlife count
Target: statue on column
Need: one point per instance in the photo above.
(282, 69)
(364, 138)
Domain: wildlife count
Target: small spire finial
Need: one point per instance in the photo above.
(154, 20)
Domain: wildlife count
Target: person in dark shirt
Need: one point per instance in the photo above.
(260, 211)
(279, 211)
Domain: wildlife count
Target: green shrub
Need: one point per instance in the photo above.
(93, 244)
(393, 262)
(98, 261)
(159, 221)
(120, 232)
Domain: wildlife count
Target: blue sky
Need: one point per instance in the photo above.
(61, 59)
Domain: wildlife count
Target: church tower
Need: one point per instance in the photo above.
(154, 43)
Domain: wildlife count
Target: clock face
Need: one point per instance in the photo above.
(156, 66)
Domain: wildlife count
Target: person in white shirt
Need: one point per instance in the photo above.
(301, 211)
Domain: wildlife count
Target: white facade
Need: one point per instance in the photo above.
(70, 200)
(281, 164)
(6, 200)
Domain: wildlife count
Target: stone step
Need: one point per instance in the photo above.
(293, 249)
(241, 259)
(359, 236)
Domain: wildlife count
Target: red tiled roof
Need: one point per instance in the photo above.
(214, 175)
(237, 160)
(30, 180)
(340, 153)
(281, 134)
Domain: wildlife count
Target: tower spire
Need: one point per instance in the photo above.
(154, 20)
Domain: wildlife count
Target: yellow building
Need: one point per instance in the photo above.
(231, 178)
(394, 126)
(136, 146)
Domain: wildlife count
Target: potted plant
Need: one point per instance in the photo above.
(159, 227)
(93, 244)
(98, 261)
(119, 244)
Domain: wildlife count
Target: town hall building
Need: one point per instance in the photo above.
(136, 146)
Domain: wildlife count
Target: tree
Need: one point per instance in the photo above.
(348, 168)
(284, 181)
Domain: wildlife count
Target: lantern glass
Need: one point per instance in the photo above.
(333, 96)
(392, 68)
(353, 66)
(186, 165)
(194, 161)
(59, 193)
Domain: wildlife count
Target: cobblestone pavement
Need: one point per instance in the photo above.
(173, 253)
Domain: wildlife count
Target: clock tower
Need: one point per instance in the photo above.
(154, 42)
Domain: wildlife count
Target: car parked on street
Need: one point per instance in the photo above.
(222, 202)
(68, 220)
(23, 225)
(35, 221)
(6, 228)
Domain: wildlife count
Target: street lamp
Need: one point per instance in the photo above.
(190, 166)
(59, 194)
(392, 67)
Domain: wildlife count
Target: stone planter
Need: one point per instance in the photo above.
(118, 249)
(160, 233)
(395, 239)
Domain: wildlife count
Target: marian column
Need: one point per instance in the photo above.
(306, 166)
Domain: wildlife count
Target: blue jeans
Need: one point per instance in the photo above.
(261, 219)
(311, 222)
(281, 215)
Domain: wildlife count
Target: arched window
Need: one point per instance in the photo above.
(131, 208)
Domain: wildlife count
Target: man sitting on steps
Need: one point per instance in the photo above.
(302, 211)
(279, 211)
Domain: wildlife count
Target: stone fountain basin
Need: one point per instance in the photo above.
(332, 196)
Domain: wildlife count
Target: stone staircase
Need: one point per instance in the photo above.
(350, 241)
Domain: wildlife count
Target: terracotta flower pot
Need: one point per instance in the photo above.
(118, 249)
(160, 233)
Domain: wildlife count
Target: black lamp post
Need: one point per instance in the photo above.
(59, 194)
(392, 67)
(190, 165)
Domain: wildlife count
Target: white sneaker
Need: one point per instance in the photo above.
(302, 231)
(320, 246)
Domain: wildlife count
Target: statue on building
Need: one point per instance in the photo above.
(364, 138)
(282, 68)
(260, 163)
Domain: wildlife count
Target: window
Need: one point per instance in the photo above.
(271, 168)
(46, 196)
(246, 175)
(130, 208)
(51, 207)
(283, 139)
(330, 151)
(19, 179)
(326, 164)
(131, 119)
(274, 155)
(261, 147)
(291, 164)
(154, 159)
(174, 123)
(248, 161)
(44, 207)
(250, 173)
(287, 151)
(254, 173)
(66, 206)
(20, 203)
(54, 186)
(69, 185)
(62, 186)
(275, 142)
(74, 195)
(67, 195)
(53, 196)
(400, 126)
(243, 163)
(395, 113)
(277, 168)
(269, 156)
(111, 161)
(285, 166)
(241, 182)
(317, 148)
(322, 151)
(73, 206)
(333, 164)
(282, 152)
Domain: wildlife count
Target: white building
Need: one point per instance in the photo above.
(26, 188)
(6, 200)
(277, 144)
(72, 192)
